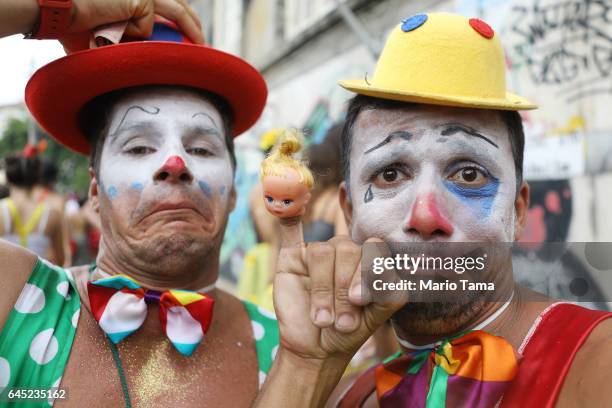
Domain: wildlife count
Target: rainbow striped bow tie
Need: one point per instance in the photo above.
(119, 305)
(469, 370)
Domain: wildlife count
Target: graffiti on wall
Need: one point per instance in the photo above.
(559, 53)
(565, 44)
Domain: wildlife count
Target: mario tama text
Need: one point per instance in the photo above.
(434, 285)
(403, 272)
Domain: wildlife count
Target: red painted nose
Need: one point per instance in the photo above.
(426, 219)
(174, 170)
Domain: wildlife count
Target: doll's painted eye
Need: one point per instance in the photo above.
(269, 199)
(287, 202)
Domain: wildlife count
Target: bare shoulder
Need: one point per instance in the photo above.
(231, 310)
(17, 263)
(54, 221)
(587, 382)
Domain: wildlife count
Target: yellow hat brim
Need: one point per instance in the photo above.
(510, 102)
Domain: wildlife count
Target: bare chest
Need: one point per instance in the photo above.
(222, 372)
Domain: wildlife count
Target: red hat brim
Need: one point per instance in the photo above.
(58, 91)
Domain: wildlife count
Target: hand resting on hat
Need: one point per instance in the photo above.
(20, 16)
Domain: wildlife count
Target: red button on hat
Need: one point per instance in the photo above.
(482, 28)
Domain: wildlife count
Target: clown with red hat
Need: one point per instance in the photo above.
(157, 110)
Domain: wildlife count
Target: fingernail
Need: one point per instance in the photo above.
(323, 317)
(345, 321)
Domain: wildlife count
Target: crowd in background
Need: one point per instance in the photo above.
(61, 228)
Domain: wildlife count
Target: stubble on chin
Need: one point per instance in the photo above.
(436, 318)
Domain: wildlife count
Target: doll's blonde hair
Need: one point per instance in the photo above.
(282, 157)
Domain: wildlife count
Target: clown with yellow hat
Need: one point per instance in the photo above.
(433, 154)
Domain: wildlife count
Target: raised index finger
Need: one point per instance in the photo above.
(291, 232)
(292, 255)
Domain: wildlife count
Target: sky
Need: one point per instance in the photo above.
(18, 59)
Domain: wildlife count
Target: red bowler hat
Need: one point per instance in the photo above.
(58, 91)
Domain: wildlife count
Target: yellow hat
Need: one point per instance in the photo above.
(442, 59)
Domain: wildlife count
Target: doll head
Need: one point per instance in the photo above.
(286, 181)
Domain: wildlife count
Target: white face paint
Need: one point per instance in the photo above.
(166, 178)
(432, 173)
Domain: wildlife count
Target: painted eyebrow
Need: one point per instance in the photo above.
(208, 116)
(452, 128)
(401, 134)
(205, 130)
(153, 110)
(135, 126)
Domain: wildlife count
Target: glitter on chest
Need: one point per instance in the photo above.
(159, 377)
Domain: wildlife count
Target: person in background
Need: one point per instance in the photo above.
(4, 191)
(78, 231)
(93, 227)
(324, 219)
(25, 220)
(44, 190)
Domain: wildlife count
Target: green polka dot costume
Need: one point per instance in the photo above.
(265, 331)
(36, 340)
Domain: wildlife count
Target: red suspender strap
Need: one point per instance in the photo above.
(360, 390)
(549, 355)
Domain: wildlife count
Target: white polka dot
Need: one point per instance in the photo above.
(56, 384)
(274, 351)
(62, 289)
(266, 313)
(258, 330)
(31, 299)
(44, 347)
(5, 373)
(75, 318)
(262, 378)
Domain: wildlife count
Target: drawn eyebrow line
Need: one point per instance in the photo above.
(153, 111)
(207, 115)
(208, 130)
(401, 134)
(453, 128)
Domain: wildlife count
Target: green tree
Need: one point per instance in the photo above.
(73, 175)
